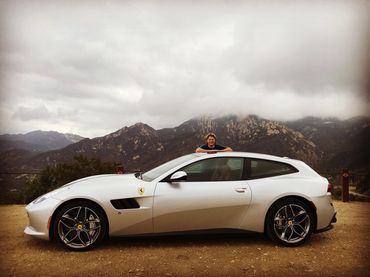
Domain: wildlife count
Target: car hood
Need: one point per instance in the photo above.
(111, 186)
(115, 178)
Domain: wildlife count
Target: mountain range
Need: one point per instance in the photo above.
(37, 141)
(325, 144)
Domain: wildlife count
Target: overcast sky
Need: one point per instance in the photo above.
(94, 67)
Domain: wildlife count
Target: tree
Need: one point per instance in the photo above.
(51, 178)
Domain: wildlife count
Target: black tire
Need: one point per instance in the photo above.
(80, 225)
(289, 222)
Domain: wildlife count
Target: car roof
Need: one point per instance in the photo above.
(194, 157)
(246, 155)
(303, 167)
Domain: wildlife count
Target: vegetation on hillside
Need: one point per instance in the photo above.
(51, 178)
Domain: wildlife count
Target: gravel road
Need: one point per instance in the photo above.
(343, 251)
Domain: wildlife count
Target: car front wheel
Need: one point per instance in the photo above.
(80, 225)
(290, 222)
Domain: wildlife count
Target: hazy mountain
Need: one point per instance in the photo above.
(325, 144)
(344, 143)
(142, 147)
(250, 133)
(37, 141)
(133, 146)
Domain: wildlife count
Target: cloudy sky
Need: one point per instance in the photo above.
(94, 67)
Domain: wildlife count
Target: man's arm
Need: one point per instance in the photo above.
(226, 149)
(200, 150)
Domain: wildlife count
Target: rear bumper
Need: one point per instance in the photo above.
(325, 211)
(330, 226)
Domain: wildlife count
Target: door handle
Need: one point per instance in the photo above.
(240, 190)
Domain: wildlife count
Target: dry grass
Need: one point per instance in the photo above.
(343, 251)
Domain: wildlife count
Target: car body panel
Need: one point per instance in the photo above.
(184, 206)
(105, 188)
(267, 191)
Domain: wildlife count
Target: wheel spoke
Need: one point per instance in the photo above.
(68, 241)
(88, 235)
(85, 219)
(284, 233)
(66, 216)
(291, 234)
(291, 209)
(304, 219)
(65, 236)
(301, 235)
(299, 226)
(65, 224)
(79, 236)
(299, 213)
(286, 211)
(78, 213)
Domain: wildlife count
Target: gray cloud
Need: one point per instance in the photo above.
(91, 68)
(26, 113)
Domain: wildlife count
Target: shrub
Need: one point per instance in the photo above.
(51, 178)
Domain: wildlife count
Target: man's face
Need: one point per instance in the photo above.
(211, 141)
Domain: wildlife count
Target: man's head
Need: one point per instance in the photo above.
(210, 140)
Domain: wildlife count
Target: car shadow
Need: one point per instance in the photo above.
(186, 240)
(177, 241)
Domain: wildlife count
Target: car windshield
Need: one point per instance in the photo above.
(158, 171)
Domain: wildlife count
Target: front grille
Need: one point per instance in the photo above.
(126, 203)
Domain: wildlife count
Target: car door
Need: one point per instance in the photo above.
(213, 196)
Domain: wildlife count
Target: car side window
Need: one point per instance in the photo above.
(215, 169)
(258, 168)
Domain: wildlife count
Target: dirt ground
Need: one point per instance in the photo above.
(343, 251)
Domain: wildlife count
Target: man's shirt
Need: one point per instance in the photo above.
(217, 147)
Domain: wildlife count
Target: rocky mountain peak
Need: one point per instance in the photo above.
(139, 146)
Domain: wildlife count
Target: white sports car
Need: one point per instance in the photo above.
(282, 197)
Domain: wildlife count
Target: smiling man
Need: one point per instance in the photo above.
(211, 146)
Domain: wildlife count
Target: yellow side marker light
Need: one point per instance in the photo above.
(49, 221)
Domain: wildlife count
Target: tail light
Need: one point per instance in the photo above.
(329, 187)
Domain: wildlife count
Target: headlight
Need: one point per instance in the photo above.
(41, 198)
(49, 194)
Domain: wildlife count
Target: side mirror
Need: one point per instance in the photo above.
(178, 176)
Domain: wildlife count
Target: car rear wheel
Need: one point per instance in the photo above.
(290, 222)
(80, 225)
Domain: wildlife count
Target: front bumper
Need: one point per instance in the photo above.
(38, 216)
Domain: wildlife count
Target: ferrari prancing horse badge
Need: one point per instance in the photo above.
(140, 190)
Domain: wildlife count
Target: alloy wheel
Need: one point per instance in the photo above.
(79, 227)
(292, 223)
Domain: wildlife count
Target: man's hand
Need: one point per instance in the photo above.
(227, 149)
(201, 150)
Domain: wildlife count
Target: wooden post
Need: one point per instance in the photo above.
(345, 184)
